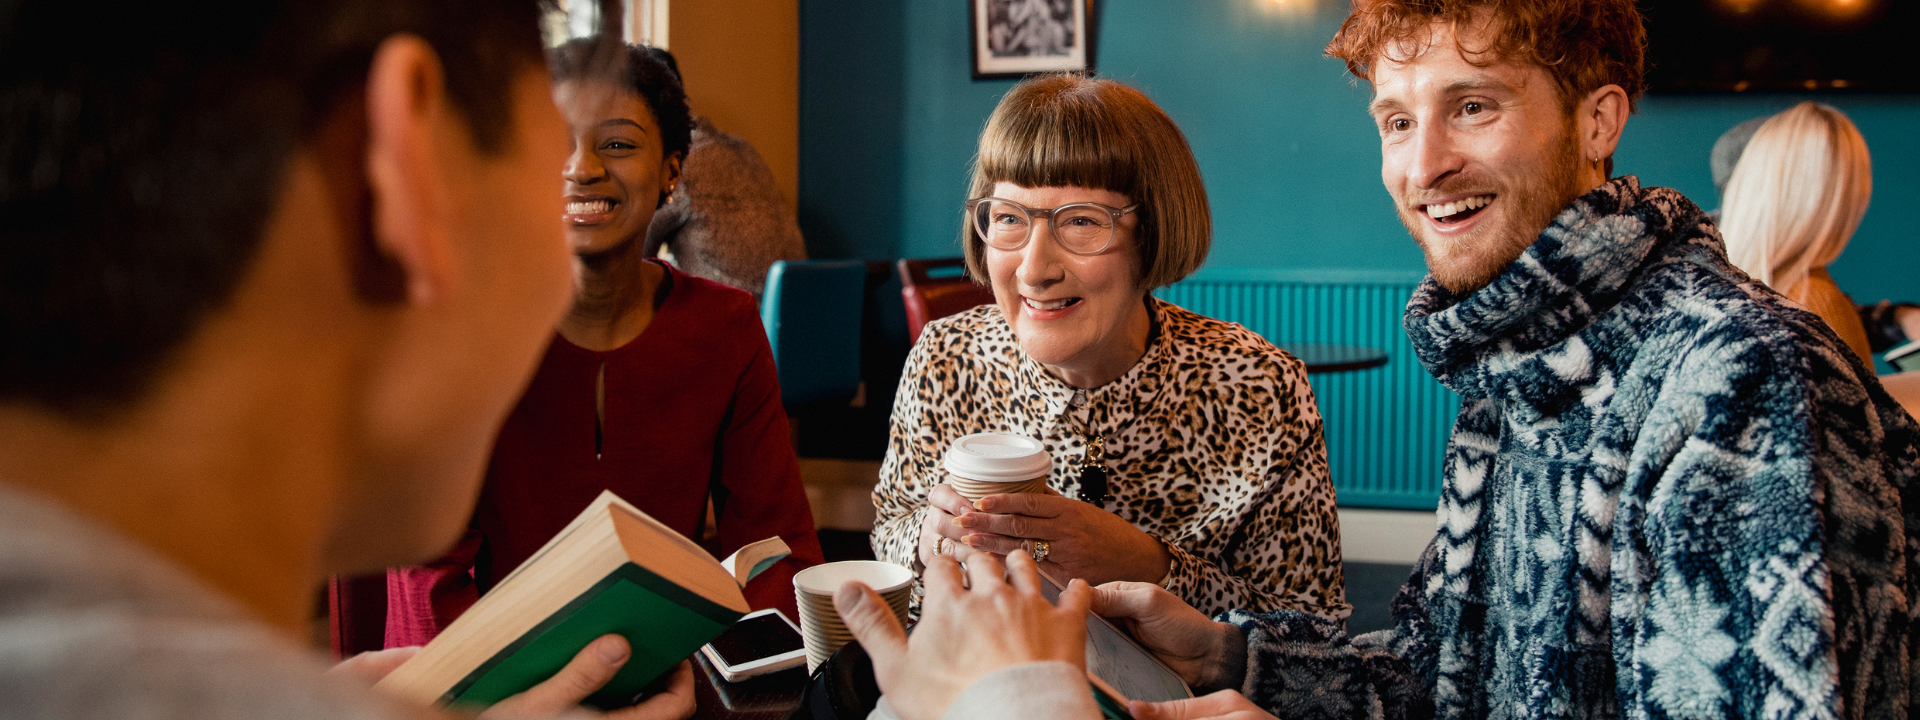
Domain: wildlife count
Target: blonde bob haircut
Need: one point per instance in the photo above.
(1075, 131)
(1796, 196)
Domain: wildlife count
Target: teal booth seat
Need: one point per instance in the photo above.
(812, 310)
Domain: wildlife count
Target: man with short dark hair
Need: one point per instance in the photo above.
(1670, 493)
(270, 276)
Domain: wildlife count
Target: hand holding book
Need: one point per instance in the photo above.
(590, 670)
(560, 695)
(539, 633)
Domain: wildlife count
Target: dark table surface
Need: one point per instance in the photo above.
(768, 697)
(1330, 358)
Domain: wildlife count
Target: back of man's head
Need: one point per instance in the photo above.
(144, 148)
(1583, 44)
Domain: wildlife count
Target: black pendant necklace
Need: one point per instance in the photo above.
(1092, 463)
(1093, 473)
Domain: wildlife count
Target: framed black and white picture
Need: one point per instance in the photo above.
(1015, 38)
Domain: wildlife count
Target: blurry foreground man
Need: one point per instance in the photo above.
(1670, 492)
(270, 276)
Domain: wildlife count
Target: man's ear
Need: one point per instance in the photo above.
(1602, 118)
(406, 102)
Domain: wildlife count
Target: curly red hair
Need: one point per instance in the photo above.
(1583, 44)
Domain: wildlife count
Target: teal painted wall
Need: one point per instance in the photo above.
(889, 116)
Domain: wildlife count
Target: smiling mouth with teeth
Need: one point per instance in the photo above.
(1458, 210)
(1051, 304)
(590, 207)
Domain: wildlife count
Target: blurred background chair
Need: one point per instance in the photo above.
(839, 337)
(812, 310)
(936, 288)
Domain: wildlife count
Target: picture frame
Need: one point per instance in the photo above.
(1018, 38)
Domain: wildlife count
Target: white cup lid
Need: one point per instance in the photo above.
(998, 457)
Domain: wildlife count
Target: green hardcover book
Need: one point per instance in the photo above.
(612, 570)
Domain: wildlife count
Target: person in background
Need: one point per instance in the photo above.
(272, 273)
(1670, 492)
(728, 221)
(1801, 186)
(1210, 471)
(1726, 154)
(1882, 325)
(657, 385)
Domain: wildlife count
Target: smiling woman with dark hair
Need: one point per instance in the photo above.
(658, 385)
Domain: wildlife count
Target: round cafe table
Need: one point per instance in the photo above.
(1330, 358)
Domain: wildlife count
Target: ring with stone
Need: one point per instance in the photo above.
(1040, 550)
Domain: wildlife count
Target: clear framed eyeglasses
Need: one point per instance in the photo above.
(1080, 228)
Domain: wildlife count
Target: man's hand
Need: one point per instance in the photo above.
(965, 633)
(585, 675)
(371, 667)
(1223, 705)
(1204, 652)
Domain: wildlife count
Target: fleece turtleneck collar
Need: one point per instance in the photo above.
(1583, 263)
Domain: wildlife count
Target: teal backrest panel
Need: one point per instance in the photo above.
(812, 313)
(1386, 427)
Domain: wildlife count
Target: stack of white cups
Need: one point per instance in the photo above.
(820, 625)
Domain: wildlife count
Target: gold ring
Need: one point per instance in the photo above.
(940, 546)
(1040, 550)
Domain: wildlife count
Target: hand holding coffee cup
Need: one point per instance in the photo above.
(978, 466)
(994, 509)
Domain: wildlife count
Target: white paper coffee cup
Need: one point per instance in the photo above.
(821, 629)
(985, 464)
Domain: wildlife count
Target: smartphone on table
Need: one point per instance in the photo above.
(764, 641)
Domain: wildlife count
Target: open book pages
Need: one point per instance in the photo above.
(748, 562)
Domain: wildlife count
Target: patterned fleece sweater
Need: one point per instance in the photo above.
(1670, 493)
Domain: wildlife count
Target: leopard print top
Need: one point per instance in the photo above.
(1213, 442)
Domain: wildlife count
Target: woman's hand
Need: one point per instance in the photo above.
(1085, 541)
(943, 505)
(966, 630)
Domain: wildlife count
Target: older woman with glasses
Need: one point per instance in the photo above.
(1186, 451)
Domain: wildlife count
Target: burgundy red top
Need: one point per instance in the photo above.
(692, 405)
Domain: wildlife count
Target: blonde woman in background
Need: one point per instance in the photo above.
(1794, 200)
